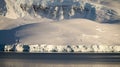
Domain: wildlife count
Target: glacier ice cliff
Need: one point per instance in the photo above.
(44, 48)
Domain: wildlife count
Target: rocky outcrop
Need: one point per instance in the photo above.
(3, 8)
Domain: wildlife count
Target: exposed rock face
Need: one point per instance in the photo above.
(3, 8)
(61, 9)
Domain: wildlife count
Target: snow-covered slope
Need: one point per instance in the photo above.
(36, 22)
(61, 9)
(66, 32)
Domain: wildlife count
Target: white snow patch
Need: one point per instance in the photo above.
(96, 36)
(100, 30)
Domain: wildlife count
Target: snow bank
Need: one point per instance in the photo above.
(61, 9)
(62, 48)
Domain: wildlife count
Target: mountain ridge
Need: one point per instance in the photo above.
(60, 9)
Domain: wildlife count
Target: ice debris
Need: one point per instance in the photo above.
(43, 48)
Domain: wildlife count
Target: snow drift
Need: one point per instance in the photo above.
(59, 9)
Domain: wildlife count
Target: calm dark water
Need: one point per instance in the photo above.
(59, 60)
(48, 63)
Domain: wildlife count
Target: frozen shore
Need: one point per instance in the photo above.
(43, 48)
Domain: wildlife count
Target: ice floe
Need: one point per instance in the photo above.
(43, 48)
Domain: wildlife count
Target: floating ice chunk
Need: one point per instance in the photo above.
(61, 48)
(116, 48)
(34, 48)
(86, 48)
(76, 48)
(42, 48)
(9, 48)
(105, 48)
(95, 48)
(19, 48)
(89, 48)
(68, 48)
(51, 48)
(83, 48)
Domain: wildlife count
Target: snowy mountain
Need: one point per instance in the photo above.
(60, 25)
(59, 9)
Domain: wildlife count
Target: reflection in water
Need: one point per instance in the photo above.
(51, 63)
(11, 59)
